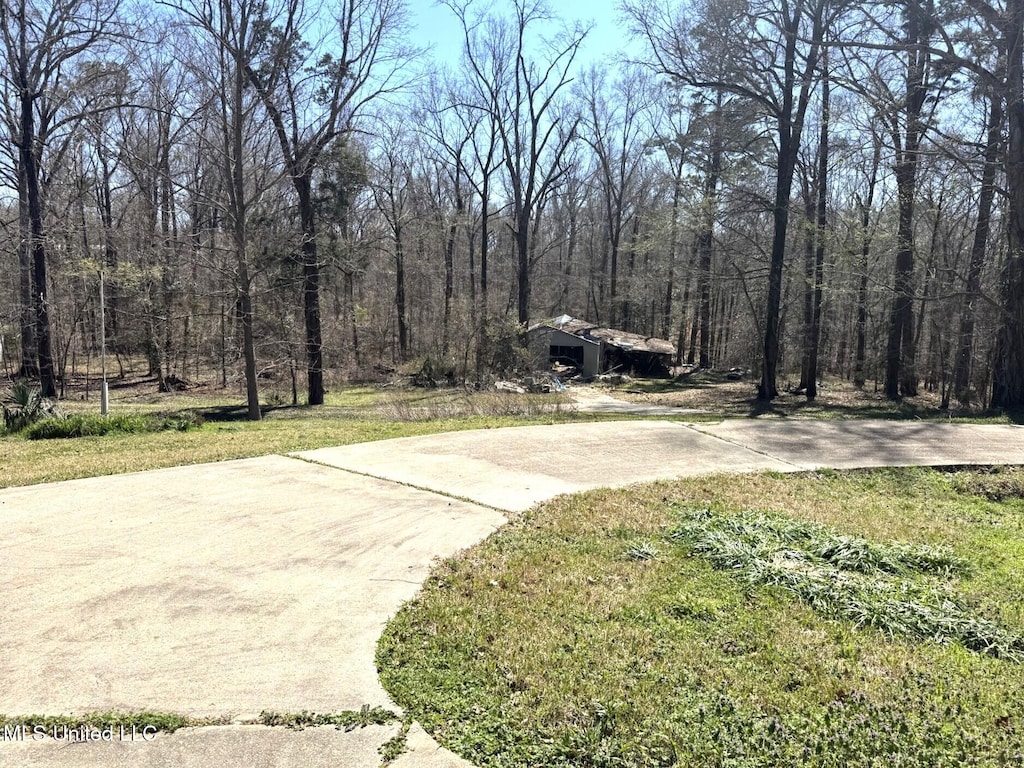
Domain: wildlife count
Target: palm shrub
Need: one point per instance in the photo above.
(24, 405)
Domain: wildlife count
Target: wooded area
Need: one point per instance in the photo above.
(292, 190)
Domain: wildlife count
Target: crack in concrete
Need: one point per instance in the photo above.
(404, 484)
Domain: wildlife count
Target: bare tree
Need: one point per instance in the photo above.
(611, 127)
(41, 40)
(766, 52)
(1008, 363)
(534, 129)
(392, 192)
(235, 35)
(465, 123)
(313, 89)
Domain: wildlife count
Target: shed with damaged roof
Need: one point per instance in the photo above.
(594, 349)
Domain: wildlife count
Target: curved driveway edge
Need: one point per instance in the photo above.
(226, 589)
(513, 468)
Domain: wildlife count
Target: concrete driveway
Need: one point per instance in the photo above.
(222, 590)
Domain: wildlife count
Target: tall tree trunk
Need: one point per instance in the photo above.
(27, 317)
(809, 186)
(614, 239)
(482, 340)
(403, 329)
(449, 271)
(705, 238)
(40, 297)
(677, 192)
(767, 389)
(1008, 362)
(900, 366)
(350, 304)
(814, 331)
(685, 311)
(789, 129)
(310, 291)
(865, 205)
(104, 200)
(168, 247)
(522, 241)
(972, 291)
(235, 155)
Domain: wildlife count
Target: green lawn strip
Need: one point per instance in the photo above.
(24, 462)
(180, 429)
(583, 634)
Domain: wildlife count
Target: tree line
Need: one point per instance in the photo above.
(282, 189)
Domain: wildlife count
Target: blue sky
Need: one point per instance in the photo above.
(438, 26)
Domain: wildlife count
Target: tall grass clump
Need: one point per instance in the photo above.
(900, 589)
(994, 483)
(93, 425)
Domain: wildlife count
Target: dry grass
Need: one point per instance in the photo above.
(454, 403)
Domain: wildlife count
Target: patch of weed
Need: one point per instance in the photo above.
(166, 722)
(347, 720)
(89, 425)
(394, 747)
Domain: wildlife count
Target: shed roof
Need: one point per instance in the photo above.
(622, 340)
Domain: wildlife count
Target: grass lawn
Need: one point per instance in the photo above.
(350, 415)
(868, 618)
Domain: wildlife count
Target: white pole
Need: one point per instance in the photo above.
(104, 397)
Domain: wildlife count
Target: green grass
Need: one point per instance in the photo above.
(597, 630)
(217, 430)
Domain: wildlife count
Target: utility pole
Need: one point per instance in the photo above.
(104, 397)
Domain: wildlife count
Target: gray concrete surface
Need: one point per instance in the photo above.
(211, 747)
(513, 468)
(807, 444)
(226, 589)
(212, 590)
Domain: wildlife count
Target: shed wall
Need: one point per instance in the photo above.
(542, 339)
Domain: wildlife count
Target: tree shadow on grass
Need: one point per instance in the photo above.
(234, 413)
(886, 410)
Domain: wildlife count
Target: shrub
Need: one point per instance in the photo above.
(94, 425)
(180, 422)
(23, 406)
